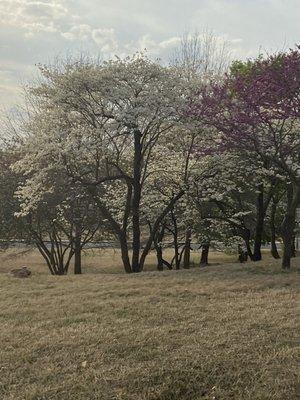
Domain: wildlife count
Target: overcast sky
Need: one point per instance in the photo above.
(35, 31)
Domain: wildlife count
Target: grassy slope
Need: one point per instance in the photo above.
(222, 332)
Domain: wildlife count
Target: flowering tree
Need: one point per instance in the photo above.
(107, 126)
(58, 217)
(222, 205)
(256, 110)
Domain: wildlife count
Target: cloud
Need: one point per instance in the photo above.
(34, 16)
(78, 32)
(259, 24)
(33, 31)
(105, 39)
(45, 10)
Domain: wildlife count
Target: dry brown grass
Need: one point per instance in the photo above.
(94, 260)
(222, 332)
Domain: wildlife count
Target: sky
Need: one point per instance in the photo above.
(37, 31)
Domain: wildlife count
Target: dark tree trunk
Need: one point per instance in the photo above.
(260, 216)
(287, 237)
(204, 255)
(288, 224)
(294, 251)
(249, 250)
(46, 255)
(156, 224)
(274, 250)
(136, 199)
(124, 252)
(246, 236)
(187, 248)
(119, 232)
(77, 249)
(175, 240)
(160, 260)
(158, 248)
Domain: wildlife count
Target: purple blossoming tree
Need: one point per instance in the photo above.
(256, 110)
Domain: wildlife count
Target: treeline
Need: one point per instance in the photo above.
(134, 150)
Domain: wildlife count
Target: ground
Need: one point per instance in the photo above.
(226, 331)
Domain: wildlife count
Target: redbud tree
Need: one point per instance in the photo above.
(256, 110)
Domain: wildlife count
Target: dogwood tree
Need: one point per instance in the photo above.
(58, 216)
(106, 124)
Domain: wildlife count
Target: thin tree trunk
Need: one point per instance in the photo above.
(119, 232)
(124, 252)
(288, 225)
(274, 250)
(204, 255)
(77, 249)
(136, 199)
(259, 225)
(294, 252)
(175, 239)
(155, 227)
(45, 254)
(249, 250)
(246, 237)
(160, 260)
(287, 236)
(187, 248)
(158, 248)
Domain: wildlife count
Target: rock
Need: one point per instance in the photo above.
(22, 272)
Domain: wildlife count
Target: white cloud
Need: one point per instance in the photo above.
(34, 31)
(105, 39)
(78, 32)
(33, 16)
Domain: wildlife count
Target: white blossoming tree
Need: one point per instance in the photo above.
(106, 125)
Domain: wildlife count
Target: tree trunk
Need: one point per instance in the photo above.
(176, 254)
(288, 224)
(175, 239)
(204, 255)
(260, 216)
(187, 248)
(118, 231)
(161, 217)
(124, 252)
(158, 247)
(274, 250)
(160, 261)
(77, 249)
(287, 236)
(136, 199)
(246, 236)
(294, 251)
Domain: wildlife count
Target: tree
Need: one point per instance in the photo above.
(59, 218)
(10, 227)
(106, 125)
(201, 55)
(256, 110)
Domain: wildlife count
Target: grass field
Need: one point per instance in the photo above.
(227, 331)
(95, 260)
